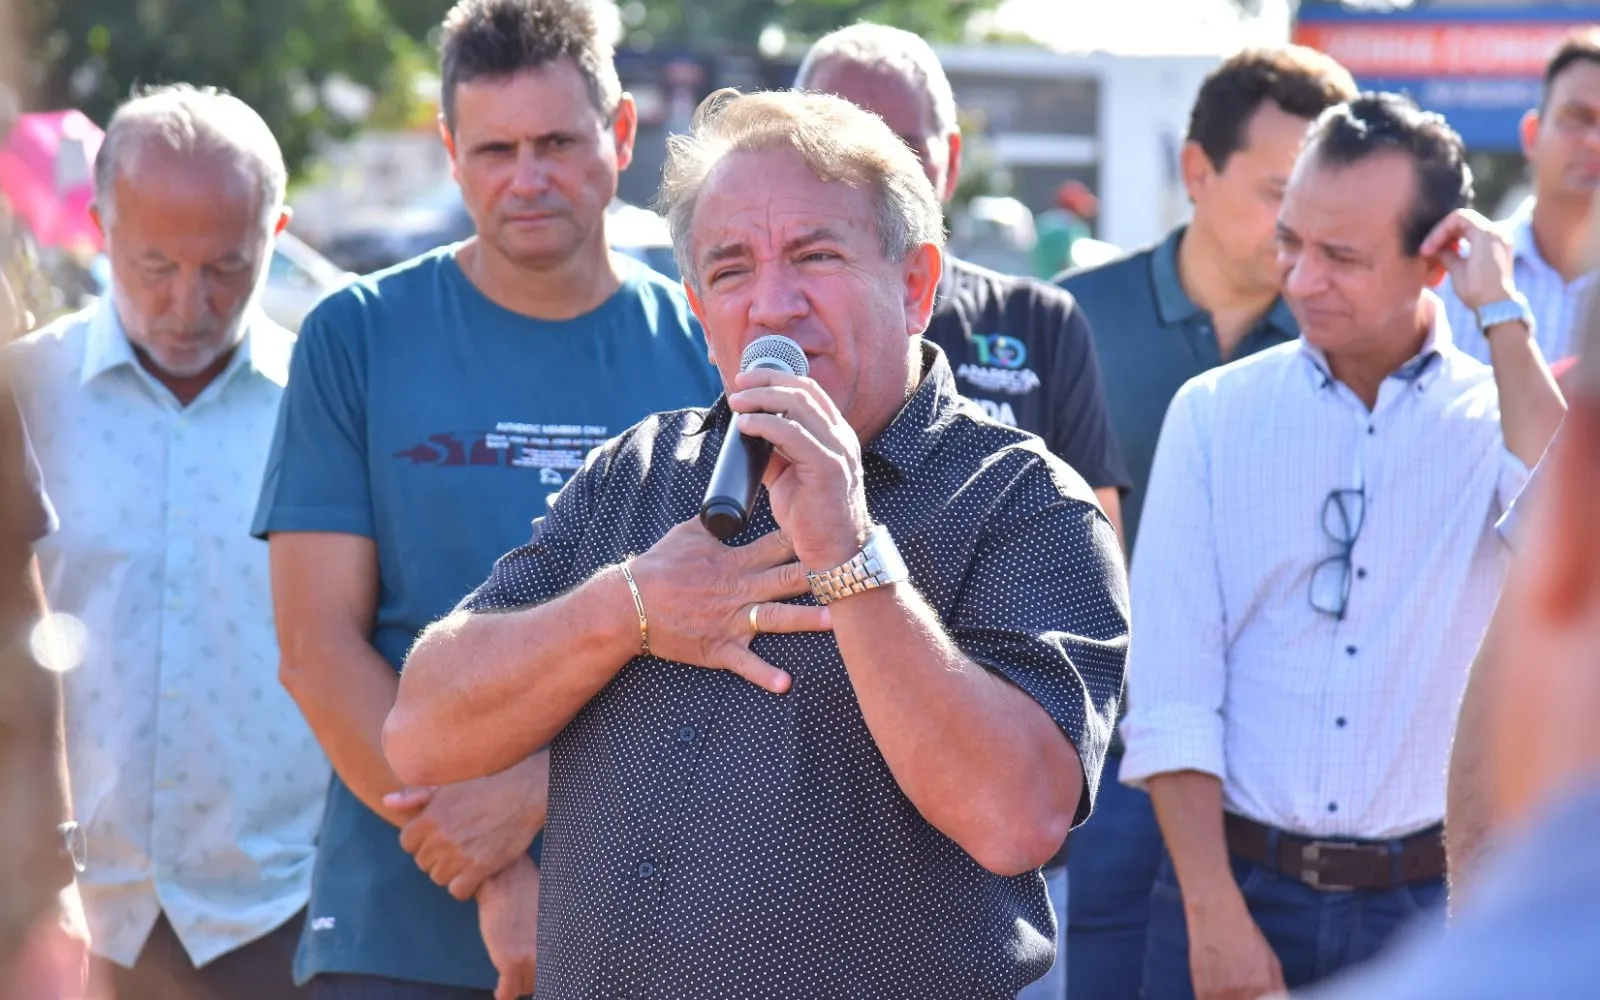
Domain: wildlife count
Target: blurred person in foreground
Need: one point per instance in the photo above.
(199, 784)
(1318, 561)
(432, 410)
(43, 934)
(1528, 925)
(1020, 347)
(830, 757)
(1205, 295)
(1549, 233)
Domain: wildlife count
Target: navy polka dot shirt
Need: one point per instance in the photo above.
(707, 839)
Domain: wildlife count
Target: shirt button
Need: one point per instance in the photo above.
(1371, 429)
(1339, 722)
(172, 694)
(175, 604)
(646, 869)
(1351, 650)
(686, 734)
(1333, 807)
(1361, 574)
(180, 513)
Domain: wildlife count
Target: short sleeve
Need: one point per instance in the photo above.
(1079, 420)
(1045, 606)
(316, 477)
(545, 566)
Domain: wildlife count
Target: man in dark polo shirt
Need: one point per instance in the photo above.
(1019, 347)
(1205, 295)
(845, 795)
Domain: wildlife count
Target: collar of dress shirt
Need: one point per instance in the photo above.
(1173, 304)
(1419, 369)
(264, 350)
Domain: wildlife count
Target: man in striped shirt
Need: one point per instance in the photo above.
(1550, 232)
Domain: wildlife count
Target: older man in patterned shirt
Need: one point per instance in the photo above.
(198, 783)
(768, 779)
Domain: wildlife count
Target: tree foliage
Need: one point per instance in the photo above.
(291, 60)
(710, 23)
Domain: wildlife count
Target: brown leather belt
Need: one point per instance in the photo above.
(1337, 865)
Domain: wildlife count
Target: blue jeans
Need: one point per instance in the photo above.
(1113, 861)
(346, 986)
(1314, 933)
(1054, 984)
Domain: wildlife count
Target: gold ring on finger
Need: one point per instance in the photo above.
(755, 624)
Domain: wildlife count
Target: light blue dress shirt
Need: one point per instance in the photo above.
(198, 783)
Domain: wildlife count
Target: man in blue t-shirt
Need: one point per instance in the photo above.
(432, 410)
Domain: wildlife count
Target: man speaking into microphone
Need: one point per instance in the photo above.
(827, 756)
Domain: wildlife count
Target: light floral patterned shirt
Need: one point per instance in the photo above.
(197, 781)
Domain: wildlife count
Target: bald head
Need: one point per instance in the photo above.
(896, 76)
(200, 126)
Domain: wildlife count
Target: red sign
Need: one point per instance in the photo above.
(1422, 50)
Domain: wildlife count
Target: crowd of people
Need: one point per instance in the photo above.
(392, 662)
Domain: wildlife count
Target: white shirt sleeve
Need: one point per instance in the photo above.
(1177, 662)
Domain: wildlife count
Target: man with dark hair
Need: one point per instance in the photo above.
(1020, 348)
(1529, 924)
(1206, 294)
(1318, 559)
(431, 411)
(1555, 261)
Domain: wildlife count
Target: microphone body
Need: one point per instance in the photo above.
(742, 462)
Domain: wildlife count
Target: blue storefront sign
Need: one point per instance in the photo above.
(1481, 66)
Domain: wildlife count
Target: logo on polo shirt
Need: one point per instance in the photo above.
(1000, 351)
(1000, 366)
(1014, 382)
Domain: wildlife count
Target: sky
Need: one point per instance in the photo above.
(1143, 26)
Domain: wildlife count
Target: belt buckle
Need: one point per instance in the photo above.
(1311, 858)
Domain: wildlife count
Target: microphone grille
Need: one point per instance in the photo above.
(774, 351)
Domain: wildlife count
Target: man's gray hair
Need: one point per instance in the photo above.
(191, 120)
(839, 142)
(885, 49)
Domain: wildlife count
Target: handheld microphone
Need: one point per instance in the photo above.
(743, 460)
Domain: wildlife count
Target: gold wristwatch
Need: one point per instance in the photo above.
(878, 564)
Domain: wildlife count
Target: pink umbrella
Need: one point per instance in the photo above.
(47, 173)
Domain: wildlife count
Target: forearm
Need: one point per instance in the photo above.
(1467, 791)
(1531, 405)
(481, 691)
(982, 762)
(345, 690)
(1188, 806)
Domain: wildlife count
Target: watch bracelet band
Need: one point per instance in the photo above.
(862, 572)
(1513, 309)
(859, 574)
